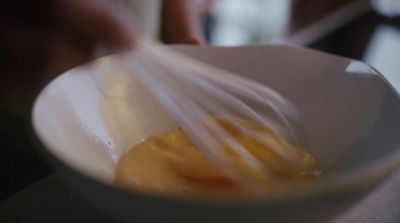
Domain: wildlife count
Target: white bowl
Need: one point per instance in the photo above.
(86, 118)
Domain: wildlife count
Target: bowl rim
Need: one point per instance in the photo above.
(370, 174)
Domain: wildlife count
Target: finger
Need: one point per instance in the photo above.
(32, 74)
(93, 20)
(65, 54)
(37, 52)
(181, 22)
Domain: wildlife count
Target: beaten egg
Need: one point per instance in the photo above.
(170, 164)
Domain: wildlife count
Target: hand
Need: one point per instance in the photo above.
(36, 34)
(41, 38)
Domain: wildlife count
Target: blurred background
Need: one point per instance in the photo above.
(361, 29)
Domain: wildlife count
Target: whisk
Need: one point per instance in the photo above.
(192, 92)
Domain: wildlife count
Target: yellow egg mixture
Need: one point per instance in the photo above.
(169, 164)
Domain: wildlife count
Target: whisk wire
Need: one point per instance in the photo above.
(192, 91)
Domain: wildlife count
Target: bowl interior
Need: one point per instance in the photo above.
(91, 115)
